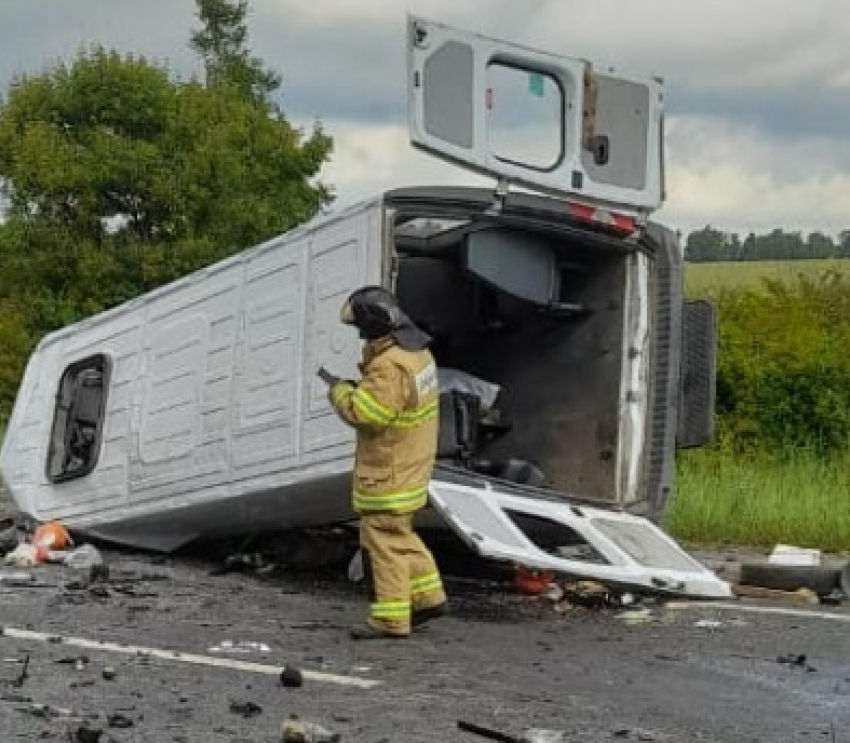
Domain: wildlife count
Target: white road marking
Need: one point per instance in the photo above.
(201, 660)
(781, 611)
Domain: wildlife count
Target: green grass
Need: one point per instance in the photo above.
(704, 279)
(721, 499)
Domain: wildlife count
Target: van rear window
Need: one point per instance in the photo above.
(78, 419)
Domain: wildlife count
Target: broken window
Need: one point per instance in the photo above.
(78, 419)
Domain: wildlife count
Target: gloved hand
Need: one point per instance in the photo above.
(329, 379)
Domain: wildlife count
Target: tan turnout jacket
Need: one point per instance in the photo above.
(394, 410)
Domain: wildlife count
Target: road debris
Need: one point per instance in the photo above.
(784, 554)
(800, 596)
(119, 721)
(532, 735)
(295, 730)
(85, 734)
(291, 678)
(636, 616)
(241, 647)
(21, 678)
(708, 624)
(245, 709)
(795, 660)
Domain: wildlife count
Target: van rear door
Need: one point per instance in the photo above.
(548, 122)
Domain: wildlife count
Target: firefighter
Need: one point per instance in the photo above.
(394, 410)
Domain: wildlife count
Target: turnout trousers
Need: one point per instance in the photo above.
(399, 571)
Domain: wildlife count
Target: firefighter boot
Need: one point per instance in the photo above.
(369, 631)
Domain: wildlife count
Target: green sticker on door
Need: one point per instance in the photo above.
(536, 84)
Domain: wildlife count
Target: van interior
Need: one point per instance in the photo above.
(528, 336)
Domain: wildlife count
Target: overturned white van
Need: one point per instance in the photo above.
(195, 410)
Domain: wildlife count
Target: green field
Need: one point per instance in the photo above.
(704, 279)
(721, 498)
(725, 500)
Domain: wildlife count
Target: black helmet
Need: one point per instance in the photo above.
(375, 312)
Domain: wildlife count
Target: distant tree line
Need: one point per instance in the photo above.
(710, 244)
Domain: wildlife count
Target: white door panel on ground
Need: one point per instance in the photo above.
(549, 122)
(618, 548)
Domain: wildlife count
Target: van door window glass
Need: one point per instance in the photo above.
(78, 419)
(525, 116)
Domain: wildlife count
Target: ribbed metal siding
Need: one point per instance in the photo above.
(667, 338)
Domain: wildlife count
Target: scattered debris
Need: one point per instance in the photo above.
(291, 678)
(85, 734)
(636, 616)
(119, 721)
(21, 678)
(784, 554)
(708, 624)
(533, 735)
(243, 647)
(23, 556)
(799, 596)
(246, 709)
(87, 558)
(795, 660)
(295, 730)
(542, 735)
(532, 582)
(643, 735)
(21, 580)
(51, 537)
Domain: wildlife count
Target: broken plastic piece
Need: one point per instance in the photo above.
(51, 536)
(294, 730)
(84, 557)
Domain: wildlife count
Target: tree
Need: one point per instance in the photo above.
(118, 179)
(844, 244)
(707, 244)
(221, 43)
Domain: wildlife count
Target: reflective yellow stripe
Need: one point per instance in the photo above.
(390, 610)
(371, 409)
(340, 391)
(426, 584)
(390, 501)
(413, 418)
(374, 412)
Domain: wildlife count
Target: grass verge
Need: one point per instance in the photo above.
(721, 499)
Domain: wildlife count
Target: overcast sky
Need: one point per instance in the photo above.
(758, 92)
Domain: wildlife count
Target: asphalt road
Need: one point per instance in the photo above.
(502, 661)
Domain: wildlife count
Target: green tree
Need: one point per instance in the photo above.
(707, 244)
(222, 45)
(118, 179)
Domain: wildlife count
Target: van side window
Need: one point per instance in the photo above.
(78, 419)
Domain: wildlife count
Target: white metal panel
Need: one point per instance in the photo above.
(634, 388)
(342, 259)
(182, 393)
(265, 414)
(635, 552)
(212, 405)
(475, 101)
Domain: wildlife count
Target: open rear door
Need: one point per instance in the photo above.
(550, 123)
(610, 547)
